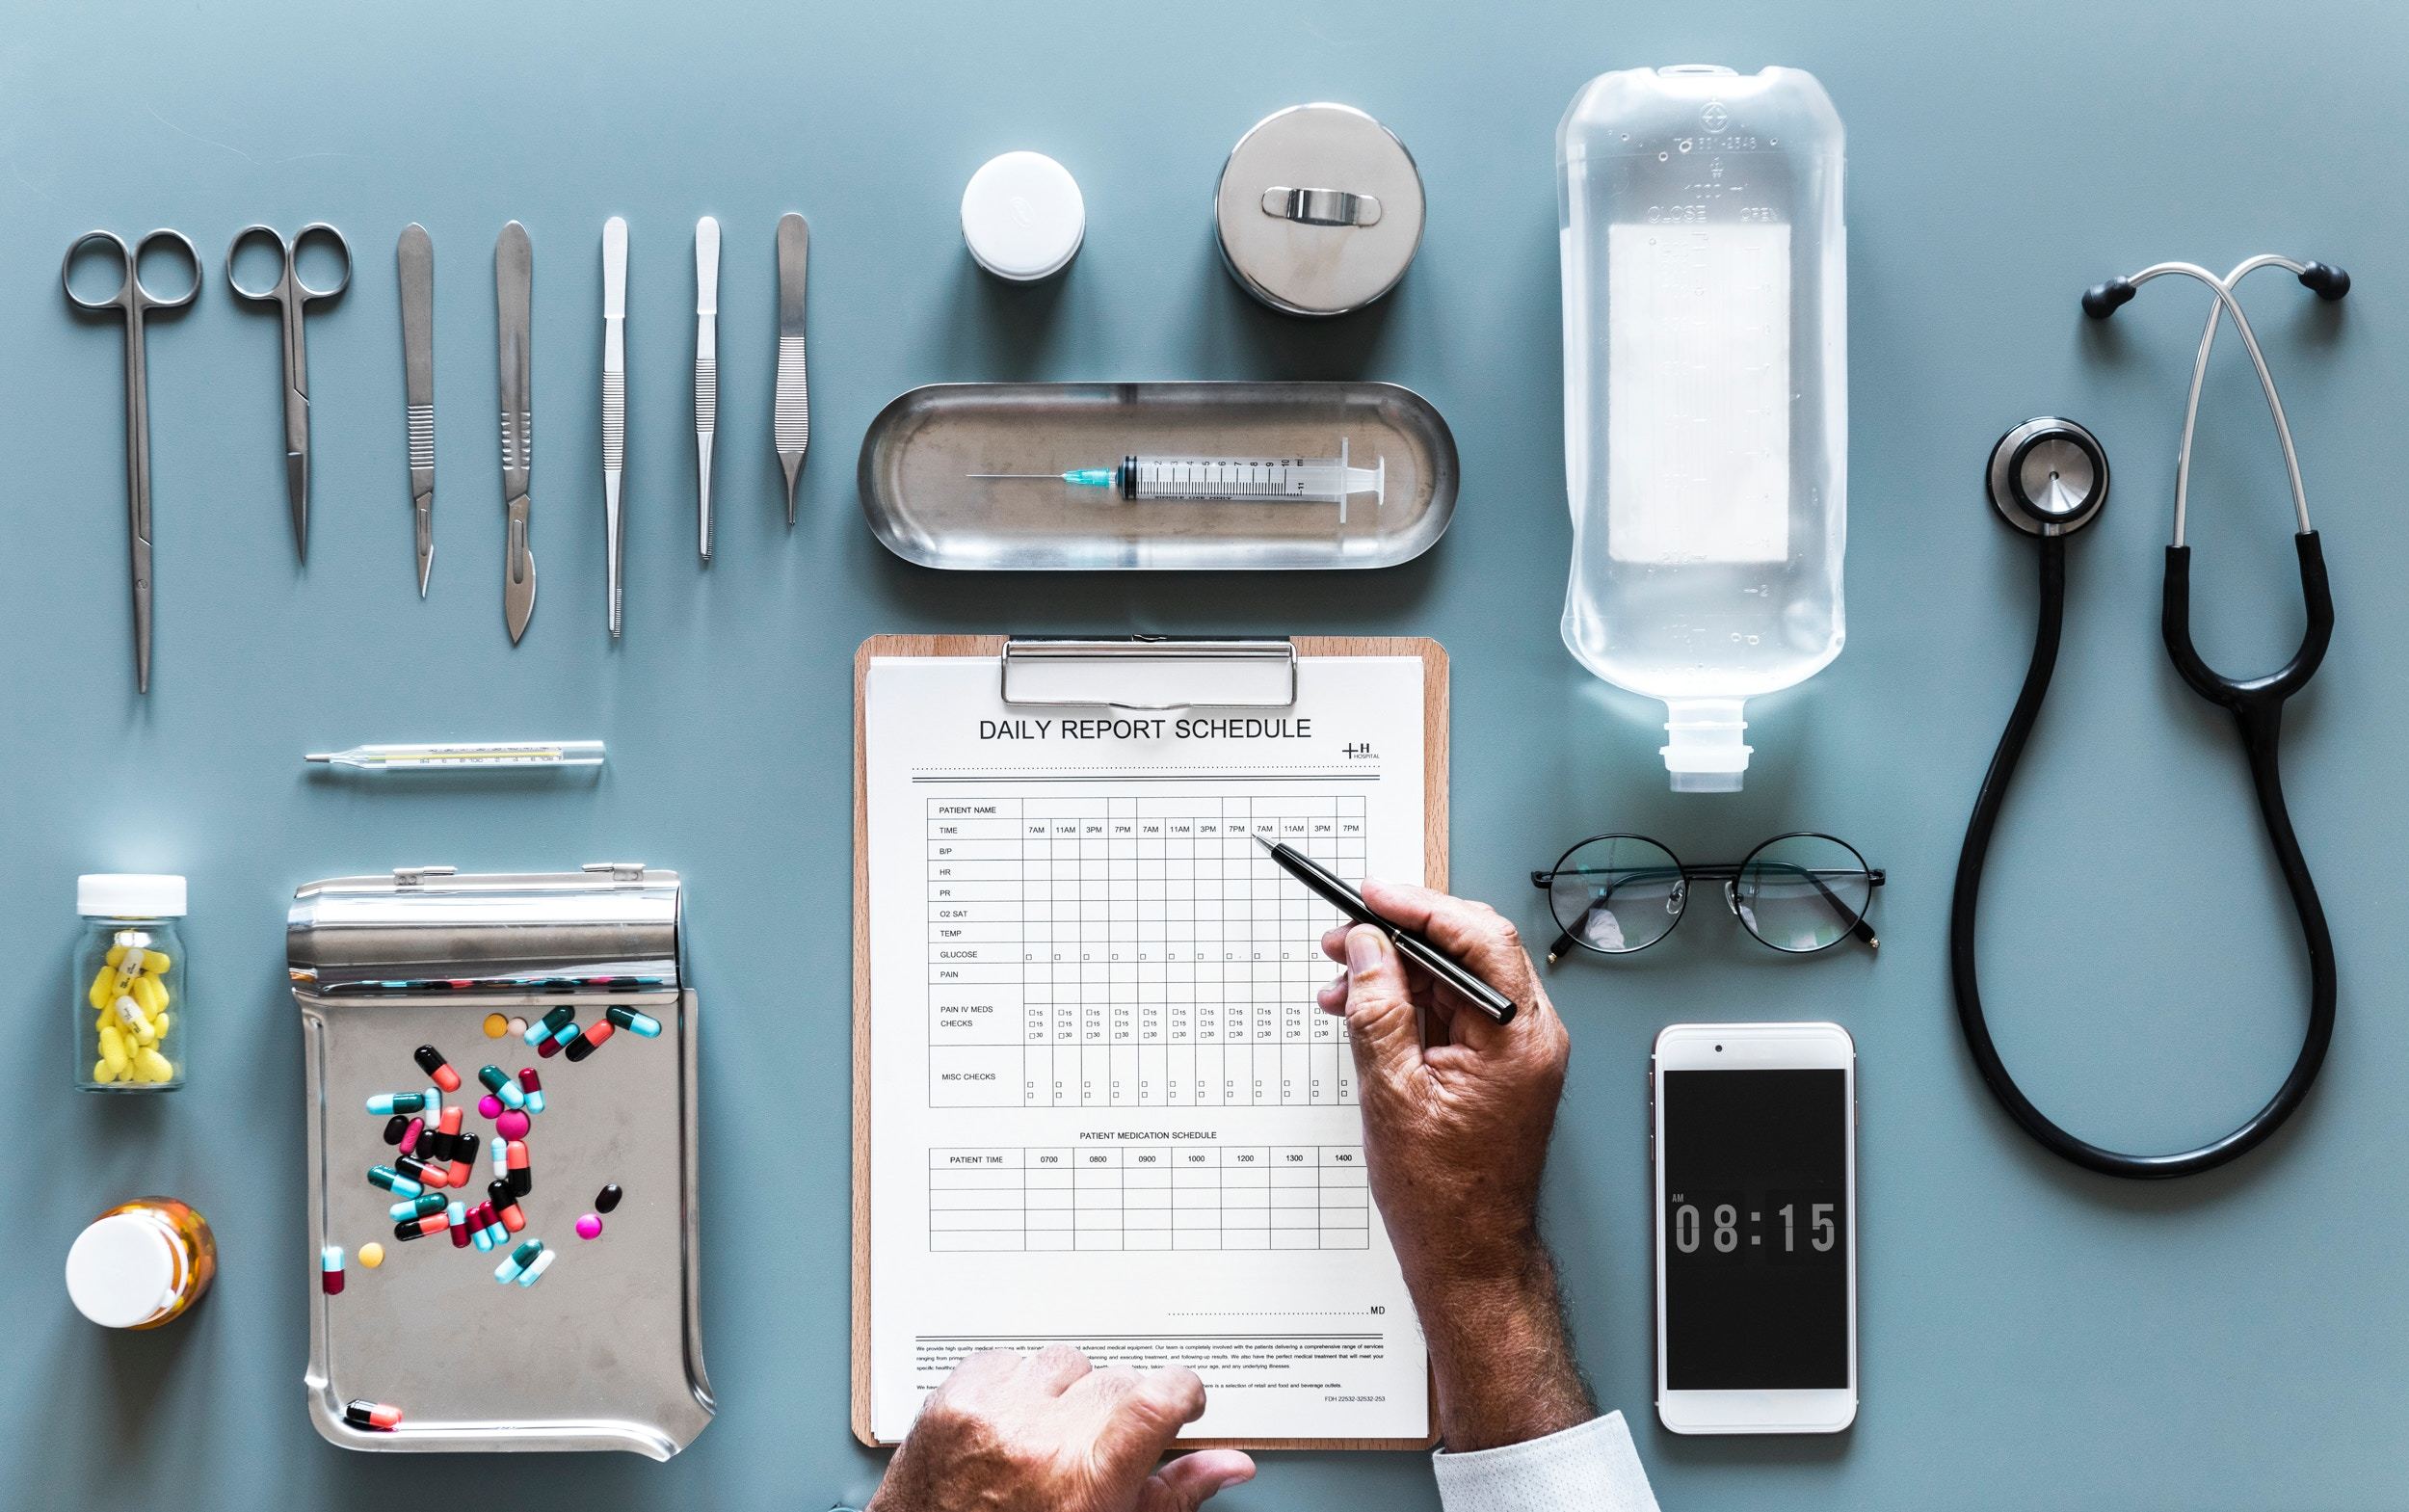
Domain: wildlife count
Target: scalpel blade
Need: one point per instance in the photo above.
(791, 420)
(415, 258)
(514, 291)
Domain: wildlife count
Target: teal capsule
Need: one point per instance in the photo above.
(538, 1032)
(519, 1259)
(415, 1208)
(635, 1022)
(567, 1032)
(393, 1181)
(500, 1084)
(385, 1104)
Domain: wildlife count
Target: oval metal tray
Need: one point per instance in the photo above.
(923, 505)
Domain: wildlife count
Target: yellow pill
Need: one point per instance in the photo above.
(112, 1044)
(103, 989)
(155, 962)
(154, 1066)
(148, 994)
(160, 1025)
(101, 1072)
(495, 1027)
(115, 954)
(372, 1254)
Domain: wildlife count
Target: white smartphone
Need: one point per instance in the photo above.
(1755, 1150)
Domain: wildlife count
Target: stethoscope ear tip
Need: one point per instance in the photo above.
(2102, 300)
(2322, 278)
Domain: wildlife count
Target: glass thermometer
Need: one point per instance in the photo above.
(452, 757)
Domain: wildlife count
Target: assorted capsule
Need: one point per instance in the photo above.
(432, 1148)
(131, 996)
(377, 1417)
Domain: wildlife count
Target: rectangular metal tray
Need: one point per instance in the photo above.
(605, 1352)
(923, 505)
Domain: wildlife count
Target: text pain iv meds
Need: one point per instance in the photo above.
(1705, 393)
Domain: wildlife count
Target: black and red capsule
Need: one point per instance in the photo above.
(506, 1206)
(430, 1061)
(375, 1416)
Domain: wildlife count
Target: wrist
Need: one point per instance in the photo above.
(1500, 1352)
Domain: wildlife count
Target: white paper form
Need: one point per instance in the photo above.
(1104, 1108)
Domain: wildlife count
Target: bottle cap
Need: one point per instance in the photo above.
(123, 1271)
(1704, 750)
(130, 896)
(1023, 217)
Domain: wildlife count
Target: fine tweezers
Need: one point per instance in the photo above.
(514, 295)
(614, 400)
(415, 257)
(707, 367)
(792, 420)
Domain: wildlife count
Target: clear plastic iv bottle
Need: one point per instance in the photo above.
(1705, 393)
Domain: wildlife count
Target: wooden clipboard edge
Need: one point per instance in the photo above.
(1435, 672)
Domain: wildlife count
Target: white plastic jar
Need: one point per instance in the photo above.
(1705, 393)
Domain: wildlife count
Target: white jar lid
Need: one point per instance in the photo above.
(122, 1271)
(1023, 217)
(126, 894)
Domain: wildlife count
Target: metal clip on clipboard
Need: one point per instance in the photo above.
(1204, 673)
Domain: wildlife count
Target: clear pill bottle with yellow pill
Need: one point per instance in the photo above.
(131, 1031)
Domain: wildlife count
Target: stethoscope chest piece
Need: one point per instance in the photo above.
(2049, 477)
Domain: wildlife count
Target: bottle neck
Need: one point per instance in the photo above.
(1703, 749)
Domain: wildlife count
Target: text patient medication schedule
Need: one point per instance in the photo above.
(1104, 1108)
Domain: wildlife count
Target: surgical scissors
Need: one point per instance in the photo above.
(292, 299)
(135, 302)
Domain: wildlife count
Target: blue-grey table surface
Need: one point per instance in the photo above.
(2032, 1334)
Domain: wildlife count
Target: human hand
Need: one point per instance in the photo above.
(1457, 1108)
(1457, 1112)
(1049, 1433)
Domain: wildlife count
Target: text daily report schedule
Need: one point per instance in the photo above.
(1104, 1109)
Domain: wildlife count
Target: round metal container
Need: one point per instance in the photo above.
(1319, 210)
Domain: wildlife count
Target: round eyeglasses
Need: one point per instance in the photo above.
(1799, 893)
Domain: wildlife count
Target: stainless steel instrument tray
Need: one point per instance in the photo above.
(923, 507)
(606, 1351)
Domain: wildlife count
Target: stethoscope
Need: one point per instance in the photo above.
(2048, 478)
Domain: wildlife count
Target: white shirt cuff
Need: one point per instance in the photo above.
(1591, 1467)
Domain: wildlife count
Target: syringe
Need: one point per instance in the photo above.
(1229, 479)
(456, 758)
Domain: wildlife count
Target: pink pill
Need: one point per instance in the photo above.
(490, 1105)
(511, 1124)
(589, 1226)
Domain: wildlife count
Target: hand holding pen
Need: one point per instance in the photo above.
(1457, 1110)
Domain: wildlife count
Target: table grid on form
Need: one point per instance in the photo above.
(1124, 1196)
(1133, 952)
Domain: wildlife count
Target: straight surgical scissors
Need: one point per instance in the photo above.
(292, 299)
(134, 301)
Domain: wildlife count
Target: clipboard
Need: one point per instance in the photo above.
(1089, 672)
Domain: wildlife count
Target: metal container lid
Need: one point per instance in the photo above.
(1319, 210)
(611, 928)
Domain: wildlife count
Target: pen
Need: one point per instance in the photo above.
(1413, 946)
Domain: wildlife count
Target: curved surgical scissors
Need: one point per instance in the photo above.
(292, 298)
(135, 302)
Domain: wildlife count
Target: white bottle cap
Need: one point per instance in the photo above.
(130, 896)
(1704, 751)
(1023, 216)
(122, 1271)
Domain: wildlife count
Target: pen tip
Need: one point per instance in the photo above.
(1873, 942)
(319, 757)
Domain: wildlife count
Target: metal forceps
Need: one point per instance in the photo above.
(292, 299)
(134, 301)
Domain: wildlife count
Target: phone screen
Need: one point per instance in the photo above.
(1755, 1244)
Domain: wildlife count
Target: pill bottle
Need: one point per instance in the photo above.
(140, 1264)
(131, 1029)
